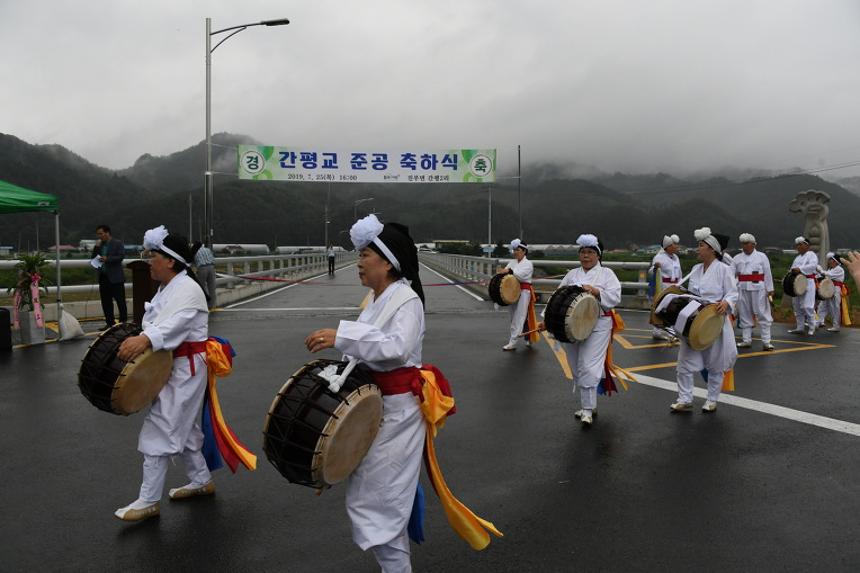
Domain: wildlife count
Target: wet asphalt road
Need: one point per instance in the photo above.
(643, 490)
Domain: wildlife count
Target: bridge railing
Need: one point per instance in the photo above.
(470, 268)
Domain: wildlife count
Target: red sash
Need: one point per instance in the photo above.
(812, 276)
(189, 349)
(755, 277)
(670, 281)
(408, 379)
(525, 286)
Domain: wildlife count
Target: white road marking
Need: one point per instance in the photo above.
(468, 292)
(294, 308)
(763, 407)
(276, 291)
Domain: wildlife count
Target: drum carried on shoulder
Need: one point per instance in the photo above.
(504, 289)
(117, 386)
(571, 314)
(826, 289)
(315, 437)
(794, 284)
(701, 326)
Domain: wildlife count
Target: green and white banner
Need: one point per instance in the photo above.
(269, 163)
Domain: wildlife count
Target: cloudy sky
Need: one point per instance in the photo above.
(631, 85)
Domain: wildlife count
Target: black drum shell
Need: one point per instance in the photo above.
(299, 415)
(101, 366)
(554, 316)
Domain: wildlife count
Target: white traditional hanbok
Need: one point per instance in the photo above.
(381, 491)
(714, 284)
(755, 281)
(176, 314)
(587, 358)
(833, 307)
(523, 271)
(804, 305)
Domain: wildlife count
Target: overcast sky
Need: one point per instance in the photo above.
(632, 85)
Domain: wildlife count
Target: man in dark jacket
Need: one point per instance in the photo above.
(110, 253)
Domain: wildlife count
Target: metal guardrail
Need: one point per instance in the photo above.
(482, 269)
(282, 266)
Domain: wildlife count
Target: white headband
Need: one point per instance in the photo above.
(366, 231)
(800, 239)
(746, 238)
(153, 240)
(589, 241)
(704, 235)
(669, 240)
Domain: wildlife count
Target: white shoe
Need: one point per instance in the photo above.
(831, 329)
(681, 407)
(709, 407)
(767, 346)
(507, 347)
(578, 414)
(138, 510)
(745, 344)
(192, 490)
(586, 420)
(528, 343)
(810, 332)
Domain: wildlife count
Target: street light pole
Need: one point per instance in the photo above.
(208, 191)
(489, 221)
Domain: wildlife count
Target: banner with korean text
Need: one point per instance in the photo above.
(269, 163)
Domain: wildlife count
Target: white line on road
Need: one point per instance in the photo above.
(763, 407)
(276, 291)
(468, 292)
(296, 308)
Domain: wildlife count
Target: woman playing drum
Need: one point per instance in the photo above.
(804, 263)
(176, 319)
(587, 358)
(714, 282)
(382, 490)
(667, 262)
(833, 306)
(522, 269)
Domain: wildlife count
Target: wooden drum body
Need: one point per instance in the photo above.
(504, 289)
(571, 314)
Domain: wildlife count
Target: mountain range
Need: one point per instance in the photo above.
(558, 202)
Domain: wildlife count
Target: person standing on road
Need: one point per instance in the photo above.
(522, 269)
(833, 306)
(331, 257)
(755, 289)
(667, 262)
(804, 263)
(713, 282)
(588, 358)
(204, 264)
(110, 253)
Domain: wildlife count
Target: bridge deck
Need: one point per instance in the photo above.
(753, 486)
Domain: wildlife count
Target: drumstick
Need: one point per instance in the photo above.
(522, 334)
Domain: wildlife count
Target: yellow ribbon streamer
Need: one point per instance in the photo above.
(465, 523)
(843, 306)
(219, 365)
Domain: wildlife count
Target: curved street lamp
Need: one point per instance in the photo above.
(208, 193)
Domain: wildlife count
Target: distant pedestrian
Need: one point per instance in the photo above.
(331, 258)
(204, 263)
(110, 253)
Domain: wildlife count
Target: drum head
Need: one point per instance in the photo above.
(826, 289)
(510, 289)
(140, 381)
(800, 283)
(658, 320)
(706, 327)
(582, 316)
(348, 435)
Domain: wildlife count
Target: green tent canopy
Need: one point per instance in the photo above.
(14, 199)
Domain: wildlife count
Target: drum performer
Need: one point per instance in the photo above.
(755, 287)
(381, 491)
(587, 359)
(522, 269)
(177, 319)
(714, 282)
(832, 306)
(804, 263)
(667, 261)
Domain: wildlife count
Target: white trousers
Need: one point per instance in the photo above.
(155, 471)
(393, 557)
(685, 385)
(831, 307)
(518, 315)
(754, 303)
(586, 360)
(804, 307)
